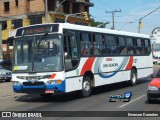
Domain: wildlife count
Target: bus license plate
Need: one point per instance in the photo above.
(49, 91)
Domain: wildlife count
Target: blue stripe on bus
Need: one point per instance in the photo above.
(108, 76)
(17, 88)
(60, 87)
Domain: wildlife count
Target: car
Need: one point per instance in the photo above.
(5, 74)
(156, 60)
(6, 64)
(153, 93)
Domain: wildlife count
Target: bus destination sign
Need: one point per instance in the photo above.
(38, 29)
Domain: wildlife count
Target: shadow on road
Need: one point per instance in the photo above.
(116, 86)
(54, 98)
(3, 81)
(76, 95)
(153, 102)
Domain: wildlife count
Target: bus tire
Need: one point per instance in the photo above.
(8, 80)
(86, 87)
(133, 79)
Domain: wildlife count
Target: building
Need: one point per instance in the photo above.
(18, 13)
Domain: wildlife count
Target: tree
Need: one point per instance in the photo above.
(99, 24)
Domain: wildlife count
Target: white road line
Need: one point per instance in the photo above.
(131, 101)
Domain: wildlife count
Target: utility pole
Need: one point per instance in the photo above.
(57, 8)
(113, 16)
(1, 56)
(46, 11)
(140, 19)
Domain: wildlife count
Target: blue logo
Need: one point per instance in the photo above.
(125, 97)
(128, 95)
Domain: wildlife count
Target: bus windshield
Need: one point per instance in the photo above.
(40, 53)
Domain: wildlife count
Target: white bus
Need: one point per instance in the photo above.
(52, 58)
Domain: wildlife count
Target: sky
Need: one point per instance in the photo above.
(131, 12)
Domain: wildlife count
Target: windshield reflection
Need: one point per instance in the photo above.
(38, 53)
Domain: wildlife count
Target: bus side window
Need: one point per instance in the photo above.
(71, 47)
(135, 46)
(143, 47)
(97, 44)
(147, 46)
(86, 47)
(138, 46)
(122, 49)
(65, 48)
(130, 47)
(110, 45)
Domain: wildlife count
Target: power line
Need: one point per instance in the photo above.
(101, 4)
(146, 15)
(113, 15)
(140, 19)
(98, 18)
(129, 17)
(113, 7)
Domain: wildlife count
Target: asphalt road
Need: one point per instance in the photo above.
(98, 101)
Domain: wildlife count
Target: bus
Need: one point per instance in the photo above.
(62, 57)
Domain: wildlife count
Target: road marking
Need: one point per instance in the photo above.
(131, 101)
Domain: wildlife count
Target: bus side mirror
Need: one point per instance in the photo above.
(65, 54)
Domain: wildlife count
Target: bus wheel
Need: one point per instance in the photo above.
(133, 78)
(8, 80)
(86, 87)
(45, 95)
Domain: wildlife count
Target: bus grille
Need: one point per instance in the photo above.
(33, 77)
(33, 84)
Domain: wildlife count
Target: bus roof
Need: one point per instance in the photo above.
(92, 29)
(101, 30)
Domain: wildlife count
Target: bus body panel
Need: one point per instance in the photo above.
(73, 83)
(27, 80)
(105, 69)
(112, 74)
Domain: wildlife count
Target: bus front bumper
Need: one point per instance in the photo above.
(39, 89)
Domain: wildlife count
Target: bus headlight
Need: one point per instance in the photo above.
(54, 82)
(152, 88)
(16, 83)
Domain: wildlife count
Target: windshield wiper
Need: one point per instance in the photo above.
(43, 38)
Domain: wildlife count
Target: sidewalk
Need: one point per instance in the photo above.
(6, 89)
